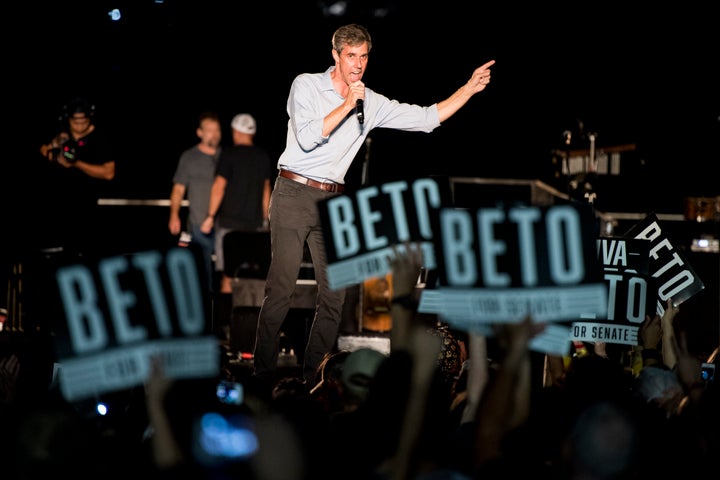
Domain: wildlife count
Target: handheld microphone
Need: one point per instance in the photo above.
(359, 111)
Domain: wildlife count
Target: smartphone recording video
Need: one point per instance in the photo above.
(220, 438)
(229, 392)
(707, 373)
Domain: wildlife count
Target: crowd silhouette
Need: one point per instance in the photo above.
(442, 404)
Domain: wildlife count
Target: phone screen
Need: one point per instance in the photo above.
(229, 392)
(707, 372)
(221, 438)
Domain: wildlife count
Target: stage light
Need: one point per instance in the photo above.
(706, 243)
(336, 9)
(101, 408)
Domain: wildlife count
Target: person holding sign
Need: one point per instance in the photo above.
(331, 114)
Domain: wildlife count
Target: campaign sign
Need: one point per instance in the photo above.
(120, 311)
(624, 254)
(631, 293)
(554, 339)
(631, 296)
(500, 264)
(361, 229)
(675, 276)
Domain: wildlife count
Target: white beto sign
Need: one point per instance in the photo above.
(361, 229)
(124, 309)
(501, 264)
(675, 276)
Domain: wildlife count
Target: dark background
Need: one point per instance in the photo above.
(647, 77)
(642, 75)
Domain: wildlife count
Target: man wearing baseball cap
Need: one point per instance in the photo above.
(244, 123)
(240, 195)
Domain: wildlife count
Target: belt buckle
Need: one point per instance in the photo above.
(327, 186)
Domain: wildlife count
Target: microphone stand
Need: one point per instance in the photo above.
(591, 169)
(363, 182)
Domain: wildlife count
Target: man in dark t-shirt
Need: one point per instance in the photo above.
(240, 195)
(80, 166)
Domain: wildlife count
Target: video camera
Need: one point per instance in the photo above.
(65, 147)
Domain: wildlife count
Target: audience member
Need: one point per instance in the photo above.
(426, 411)
(9, 373)
(328, 390)
(604, 443)
(505, 405)
(193, 435)
(661, 388)
(453, 353)
(647, 351)
(358, 371)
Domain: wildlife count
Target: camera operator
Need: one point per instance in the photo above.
(80, 166)
(78, 147)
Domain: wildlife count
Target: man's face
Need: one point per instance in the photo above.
(210, 133)
(352, 62)
(79, 123)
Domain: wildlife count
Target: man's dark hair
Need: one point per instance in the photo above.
(208, 115)
(78, 105)
(352, 35)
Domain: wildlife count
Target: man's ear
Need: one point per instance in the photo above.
(335, 55)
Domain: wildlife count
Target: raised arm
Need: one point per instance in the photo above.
(478, 81)
(505, 401)
(669, 354)
(413, 337)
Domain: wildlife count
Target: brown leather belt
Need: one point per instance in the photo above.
(324, 186)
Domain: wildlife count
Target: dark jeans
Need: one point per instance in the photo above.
(206, 244)
(294, 220)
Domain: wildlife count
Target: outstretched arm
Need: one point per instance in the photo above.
(477, 83)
